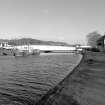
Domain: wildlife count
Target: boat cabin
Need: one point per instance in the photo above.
(3, 44)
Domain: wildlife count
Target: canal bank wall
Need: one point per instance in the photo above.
(85, 85)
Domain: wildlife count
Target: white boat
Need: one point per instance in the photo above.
(26, 52)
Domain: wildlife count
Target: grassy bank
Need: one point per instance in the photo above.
(85, 85)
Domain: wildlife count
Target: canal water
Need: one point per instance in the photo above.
(24, 80)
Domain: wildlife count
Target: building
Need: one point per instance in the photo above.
(46, 48)
(101, 43)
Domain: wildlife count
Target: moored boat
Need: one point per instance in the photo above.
(36, 52)
(25, 53)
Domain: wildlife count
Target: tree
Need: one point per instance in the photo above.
(92, 38)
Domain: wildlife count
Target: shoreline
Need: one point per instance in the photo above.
(84, 85)
(58, 88)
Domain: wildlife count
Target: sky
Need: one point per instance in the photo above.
(55, 20)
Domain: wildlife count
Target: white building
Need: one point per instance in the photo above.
(45, 48)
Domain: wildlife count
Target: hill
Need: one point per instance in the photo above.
(24, 41)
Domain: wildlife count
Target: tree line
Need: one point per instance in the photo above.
(92, 38)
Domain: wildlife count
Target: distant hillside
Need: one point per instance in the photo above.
(24, 41)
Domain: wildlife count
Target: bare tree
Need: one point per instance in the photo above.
(92, 38)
